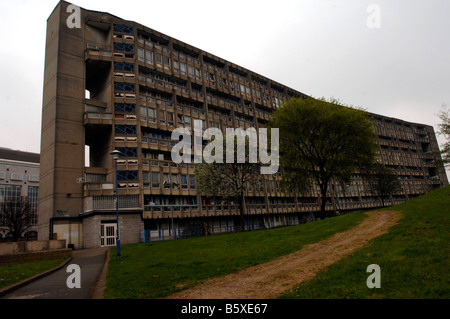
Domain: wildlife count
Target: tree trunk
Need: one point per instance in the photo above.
(323, 207)
(241, 215)
(16, 235)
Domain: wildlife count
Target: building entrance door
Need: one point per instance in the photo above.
(108, 235)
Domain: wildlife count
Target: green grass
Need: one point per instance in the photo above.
(156, 270)
(414, 258)
(12, 274)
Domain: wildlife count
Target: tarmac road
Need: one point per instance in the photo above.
(54, 285)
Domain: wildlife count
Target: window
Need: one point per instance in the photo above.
(175, 181)
(198, 74)
(128, 151)
(124, 108)
(149, 57)
(124, 86)
(155, 179)
(127, 176)
(162, 117)
(184, 182)
(167, 62)
(9, 192)
(33, 198)
(121, 28)
(176, 66)
(166, 180)
(187, 121)
(141, 54)
(180, 118)
(225, 83)
(126, 67)
(151, 115)
(124, 47)
(146, 179)
(192, 181)
(33, 178)
(183, 68)
(190, 71)
(143, 113)
(170, 119)
(125, 129)
(159, 58)
(16, 177)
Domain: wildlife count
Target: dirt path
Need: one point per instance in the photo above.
(271, 279)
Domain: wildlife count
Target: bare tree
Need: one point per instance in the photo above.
(227, 180)
(17, 216)
(444, 129)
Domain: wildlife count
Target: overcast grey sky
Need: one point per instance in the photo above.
(319, 47)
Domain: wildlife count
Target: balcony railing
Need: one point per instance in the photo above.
(97, 118)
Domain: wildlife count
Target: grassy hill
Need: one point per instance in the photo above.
(413, 256)
(156, 270)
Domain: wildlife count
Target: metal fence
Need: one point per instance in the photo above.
(169, 234)
(197, 230)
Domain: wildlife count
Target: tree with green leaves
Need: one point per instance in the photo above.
(383, 181)
(322, 142)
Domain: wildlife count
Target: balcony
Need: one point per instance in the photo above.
(97, 118)
(154, 143)
(98, 189)
(282, 208)
(169, 211)
(108, 203)
(98, 55)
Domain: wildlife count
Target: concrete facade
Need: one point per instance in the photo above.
(116, 84)
(20, 252)
(19, 177)
(130, 225)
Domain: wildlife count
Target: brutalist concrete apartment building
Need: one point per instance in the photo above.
(115, 84)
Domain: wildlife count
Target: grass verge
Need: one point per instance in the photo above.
(13, 274)
(156, 270)
(414, 258)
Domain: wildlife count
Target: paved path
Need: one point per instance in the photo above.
(53, 286)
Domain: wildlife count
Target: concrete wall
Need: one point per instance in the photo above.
(21, 252)
(31, 246)
(62, 138)
(130, 225)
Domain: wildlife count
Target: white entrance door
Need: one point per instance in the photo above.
(108, 235)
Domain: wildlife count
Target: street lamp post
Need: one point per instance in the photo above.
(116, 154)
